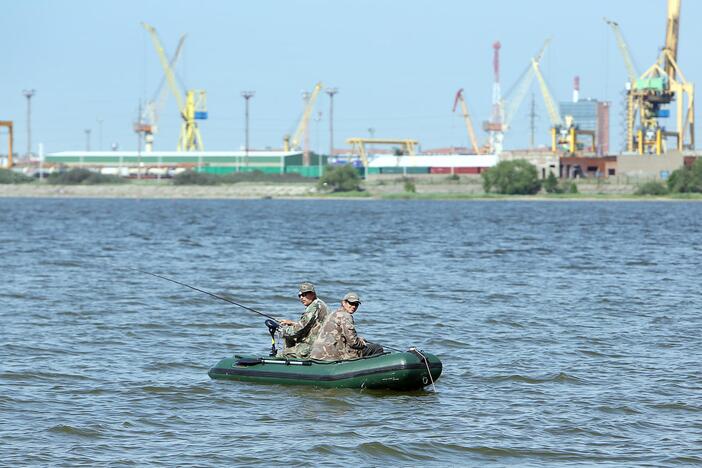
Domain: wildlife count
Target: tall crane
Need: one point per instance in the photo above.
(564, 132)
(468, 121)
(631, 70)
(192, 108)
(661, 84)
(148, 120)
(291, 142)
(509, 105)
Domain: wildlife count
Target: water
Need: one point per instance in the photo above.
(569, 331)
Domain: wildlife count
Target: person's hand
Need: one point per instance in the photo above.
(285, 322)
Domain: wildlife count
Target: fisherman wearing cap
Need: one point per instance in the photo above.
(300, 336)
(338, 339)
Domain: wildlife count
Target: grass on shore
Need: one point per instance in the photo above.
(541, 196)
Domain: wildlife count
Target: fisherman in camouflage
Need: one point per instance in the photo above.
(300, 336)
(338, 339)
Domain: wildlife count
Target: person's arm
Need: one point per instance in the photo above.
(301, 328)
(348, 331)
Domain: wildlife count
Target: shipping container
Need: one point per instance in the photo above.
(456, 170)
(404, 170)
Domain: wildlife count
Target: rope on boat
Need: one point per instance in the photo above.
(426, 363)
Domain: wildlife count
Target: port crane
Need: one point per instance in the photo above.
(358, 146)
(148, 120)
(564, 132)
(466, 117)
(631, 70)
(192, 108)
(506, 108)
(291, 142)
(661, 84)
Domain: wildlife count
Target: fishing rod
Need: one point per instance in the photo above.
(209, 294)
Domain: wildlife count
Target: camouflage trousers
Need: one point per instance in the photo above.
(295, 350)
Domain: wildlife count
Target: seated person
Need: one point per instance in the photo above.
(338, 339)
(300, 336)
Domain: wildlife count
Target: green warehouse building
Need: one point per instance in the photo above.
(165, 163)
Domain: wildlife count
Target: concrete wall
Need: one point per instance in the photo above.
(649, 166)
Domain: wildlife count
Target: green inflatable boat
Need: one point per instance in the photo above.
(409, 370)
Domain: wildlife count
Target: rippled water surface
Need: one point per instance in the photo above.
(569, 331)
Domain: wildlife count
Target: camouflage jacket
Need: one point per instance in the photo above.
(338, 339)
(300, 336)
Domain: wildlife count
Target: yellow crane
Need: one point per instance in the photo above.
(192, 108)
(358, 146)
(466, 116)
(631, 71)
(564, 133)
(148, 121)
(291, 142)
(660, 85)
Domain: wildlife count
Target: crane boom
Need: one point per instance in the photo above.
(290, 142)
(671, 37)
(149, 117)
(631, 71)
(468, 121)
(551, 106)
(522, 87)
(162, 91)
(167, 70)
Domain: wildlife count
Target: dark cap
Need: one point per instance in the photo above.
(306, 287)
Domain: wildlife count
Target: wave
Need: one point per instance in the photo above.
(76, 431)
(560, 377)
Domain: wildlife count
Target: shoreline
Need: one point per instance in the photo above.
(252, 191)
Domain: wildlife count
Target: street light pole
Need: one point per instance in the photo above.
(306, 137)
(99, 121)
(87, 139)
(28, 93)
(247, 95)
(316, 146)
(331, 92)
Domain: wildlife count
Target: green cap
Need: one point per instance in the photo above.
(306, 287)
(352, 297)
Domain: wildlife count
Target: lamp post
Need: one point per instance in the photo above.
(87, 139)
(317, 120)
(99, 121)
(247, 95)
(28, 93)
(331, 92)
(306, 135)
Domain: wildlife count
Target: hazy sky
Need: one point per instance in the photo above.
(397, 65)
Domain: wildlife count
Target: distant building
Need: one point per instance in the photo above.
(128, 163)
(590, 114)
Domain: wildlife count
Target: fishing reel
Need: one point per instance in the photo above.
(273, 327)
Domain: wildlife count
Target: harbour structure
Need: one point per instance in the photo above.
(590, 115)
(301, 134)
(164, 163)
(192, 106)
(504, 109)
(649, 94)
(449, 164)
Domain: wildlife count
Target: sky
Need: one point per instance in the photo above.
(397, 66)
